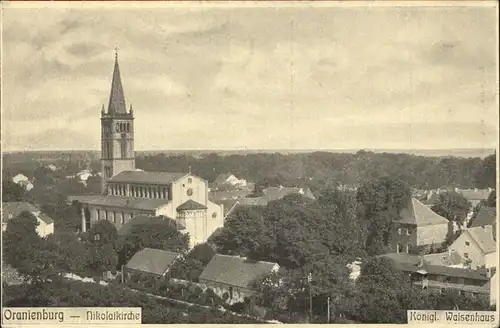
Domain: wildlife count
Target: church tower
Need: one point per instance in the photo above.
(117, 132)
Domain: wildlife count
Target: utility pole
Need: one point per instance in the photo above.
(309, 280)
(328, 304)
(122, 274)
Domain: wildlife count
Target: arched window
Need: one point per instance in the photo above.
(123, 146)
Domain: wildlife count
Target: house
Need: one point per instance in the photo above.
(228, 194)
(27, 185)
(493, 290)
(486, 216)
(229, 205)
(20, 177)
(52, 167)
(475, 196)
(418, 230)
(477, 246)
(127, 192)
(435, 277)
(11, 210)
(153, 262)
(233, 277)
(276, 193)
(229, 180)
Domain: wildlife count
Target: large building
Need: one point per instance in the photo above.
(127, 192)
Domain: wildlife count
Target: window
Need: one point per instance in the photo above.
(467, 243)
(123, 217)
(408, 248)
(408, 232)
(399, 231)
(190, 180)
(97, 237)
(214, 215)
(466, 255)
(399, 248)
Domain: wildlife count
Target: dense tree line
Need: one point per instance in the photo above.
(319, 168)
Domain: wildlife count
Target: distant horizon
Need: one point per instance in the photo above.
(432, 152)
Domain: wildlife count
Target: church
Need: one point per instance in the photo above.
(127, 192)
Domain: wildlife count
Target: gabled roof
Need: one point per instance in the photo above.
(191, 205)
(233, 194)
(484, 238)
(479, 194)
(222, 178)
(420, 215)
(162, 178)
(15, 208)
(410, 263)
(235, 271)
(252, 201)
(276, 193)
(119, 201)
(45, 218)
(486, 216)
(139, 220)
(116, 98)
(155, 261)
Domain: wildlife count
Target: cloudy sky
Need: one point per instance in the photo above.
(280, 77)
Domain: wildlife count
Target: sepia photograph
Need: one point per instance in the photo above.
(249, 162)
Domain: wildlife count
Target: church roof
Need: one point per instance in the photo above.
(147, 177)
(191, 205)
(116, 98)
(118, 201)
(485, 216)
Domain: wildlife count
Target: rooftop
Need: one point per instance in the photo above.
(411, 263)
(119, 201)
(484, 238)
(486, 216)
(153, 261)
(13, 209)
(161, 178)
(191, 205)
(420, 215)
(235, 271)
(476, 194)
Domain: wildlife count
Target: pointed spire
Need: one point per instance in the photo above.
(116, 98)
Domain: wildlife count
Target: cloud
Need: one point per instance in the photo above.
(254, 77)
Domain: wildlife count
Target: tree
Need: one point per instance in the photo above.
(346, 230)
(12, 192)
(452, 206)
(486, 175)
(25, 251)
(202, 253)
(72, 255)
(188, 269)
(492, 199)
(159, 233)
(380, 204)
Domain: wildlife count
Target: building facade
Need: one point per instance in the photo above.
(419, 230)
(127, 192)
